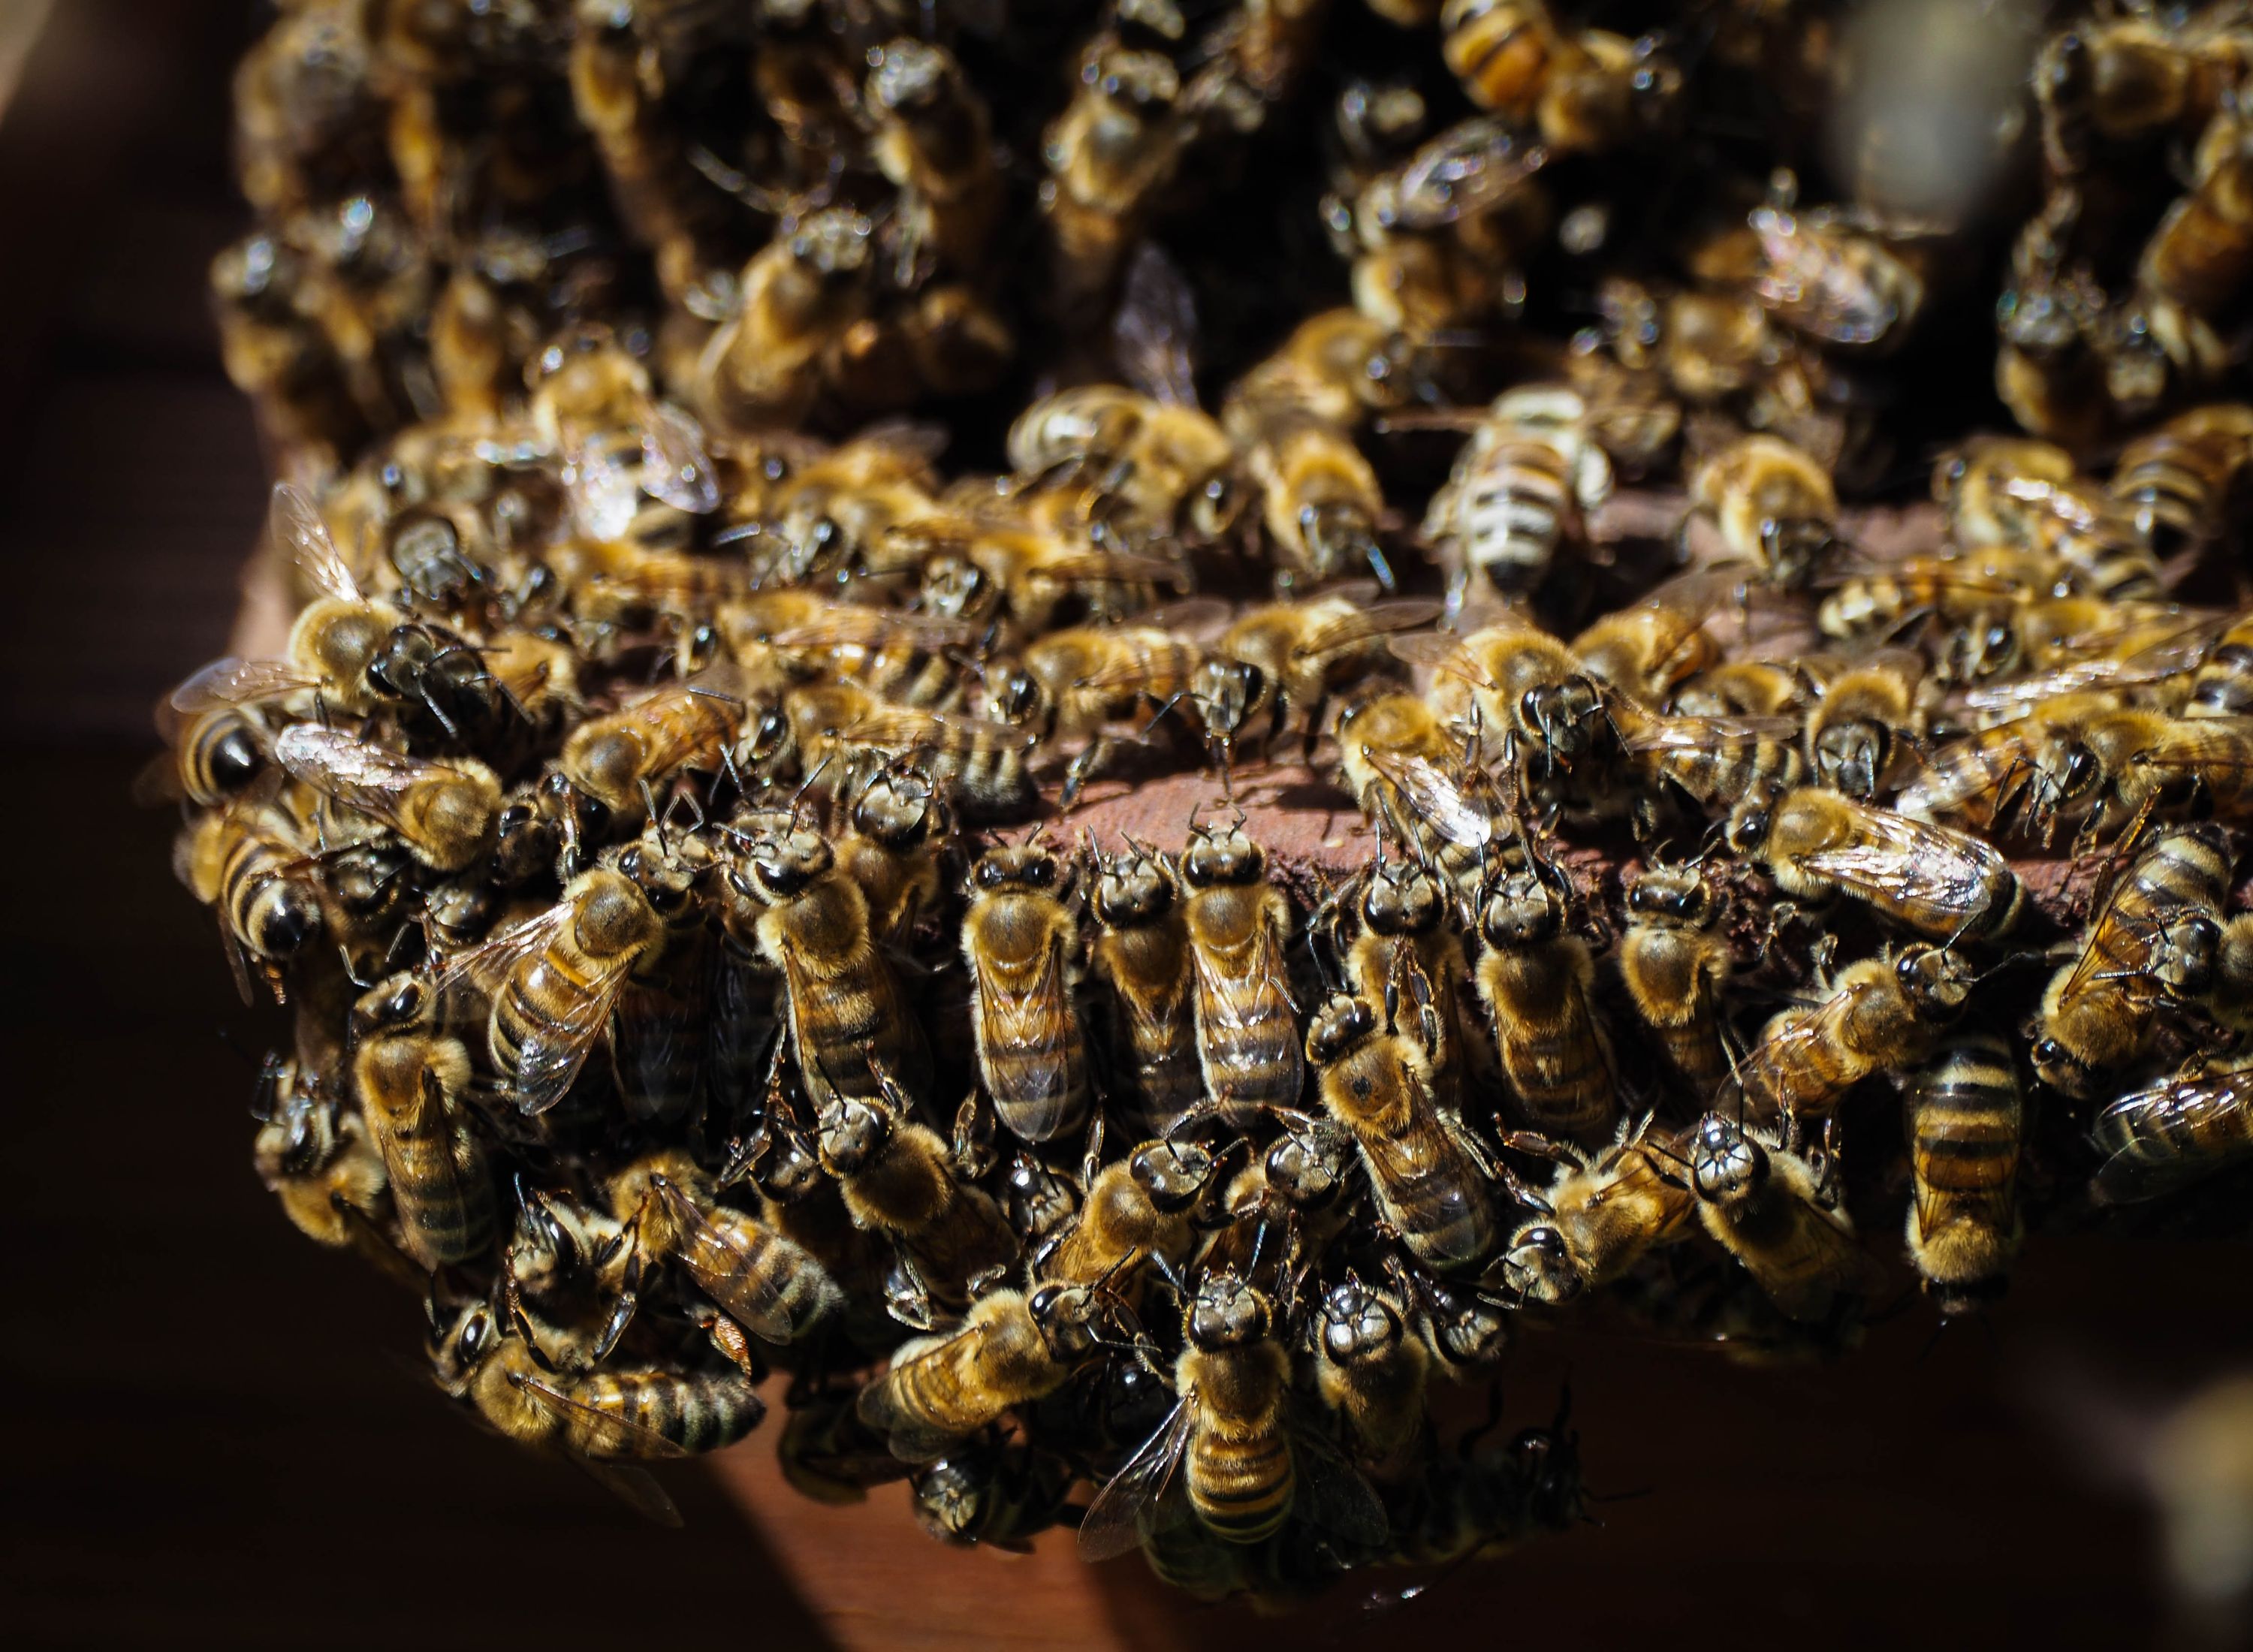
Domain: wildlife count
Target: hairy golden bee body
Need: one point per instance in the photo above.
(1965, 1122)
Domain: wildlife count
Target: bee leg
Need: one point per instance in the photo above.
(1091, 759)
(907, 1296)
(987, 1280)
(729, 1338)
(972, 1146)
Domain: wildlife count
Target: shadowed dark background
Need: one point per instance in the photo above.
(217, 1435)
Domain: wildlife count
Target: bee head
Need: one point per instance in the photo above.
(1019, 697)
(1849, 756)
(1308, 1166)
(1561, 717)
(1172, 1176)
(1065, 1316)
(850, 1134)
(1538, 1266)
(778, 864)
(403, 1000)
(1726, 1164)
(1357, 1323)
(765, 742)
(1937, 981)
(950, 1495)
(1133, 888)
(900, 808)
(1218, 856)
(1520, 910)
(1227, 692)
(1402, 898)
(459, 1346)
(1681, 894)
(1339, 1027)
(1793, 545)
(2056, 1065)
(1227, 1313)
(1029, 868)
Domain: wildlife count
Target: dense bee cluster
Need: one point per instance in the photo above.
(1122, 966)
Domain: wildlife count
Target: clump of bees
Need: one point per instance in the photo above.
(1121, 969)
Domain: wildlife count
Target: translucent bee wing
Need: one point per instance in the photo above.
(1439, 800)
(1155, 334)
(1705, 734)
(1758, 1077)
(903, 727)
(2141, 1127)
(845, 624)
(1108, 568)
(1130, 1501)
(294, 525)
(1904, 864)
(743, 1284)
(1019, 1020)
(1473, 165)
(1442, 651)
(605, 492)
(487, 965)
(636, 1487)
(238, 682)
(1377, 619)
(675, 467)
(355, 773)
(602, 1434)
(549, 1059)
(1332, 1495)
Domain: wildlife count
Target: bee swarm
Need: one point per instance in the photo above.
(1119, 963)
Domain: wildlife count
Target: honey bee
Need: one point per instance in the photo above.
(1157, 468)
(768, 1284)
(1536, 981)
(2222, 685)
(591, 405)
(1585, 90)
(2154, 939)
(897, 832)
(661, 1026)
(1015, 564)
(2016, 769)
(444, 814)
(1675, 960)
(313, 1152)
(2118, 766)
(1370, 1369)
(1879, 1012)
(1073, 682)
(607, 760)
(1021, 944)
(1931, 879)
(1321, 504)
(411, 1080)
(555, 979)
(1601, 1215)
(2028, 495)
(982, 765)
(1840, 275)
(1141, 949)
(800, 296)
(906, 659)
(897, 1179)
(1304, 650)
(2199, 257)
(335, 638)
(1964, 1118)
(1405, 767)
(1139, 1207)
(1239, 926)
(1775, 507)
(933, 140)
(598, 1418)
(2119, 80)
(1981, 583)
(1429, 1177)
(1407, 958)
(1649, 650)
(1117, 145)
(1865, 724)
(2176, 483)
(849, 1025)
(1011, 1348)
(214, 757)
(1743, 689)
(1244, 1467)
(1338, 366)
(1520, 489)
(832, 513)
(275, 351)
(1522, 681)
(249, 863)
(1768, 1207)
(2176, 1130)
(1001, 1495)
(1712, 760)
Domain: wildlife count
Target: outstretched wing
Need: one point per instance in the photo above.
(742, 1283)
(2144, 1130)
(294, 525)
(1133, 1499)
